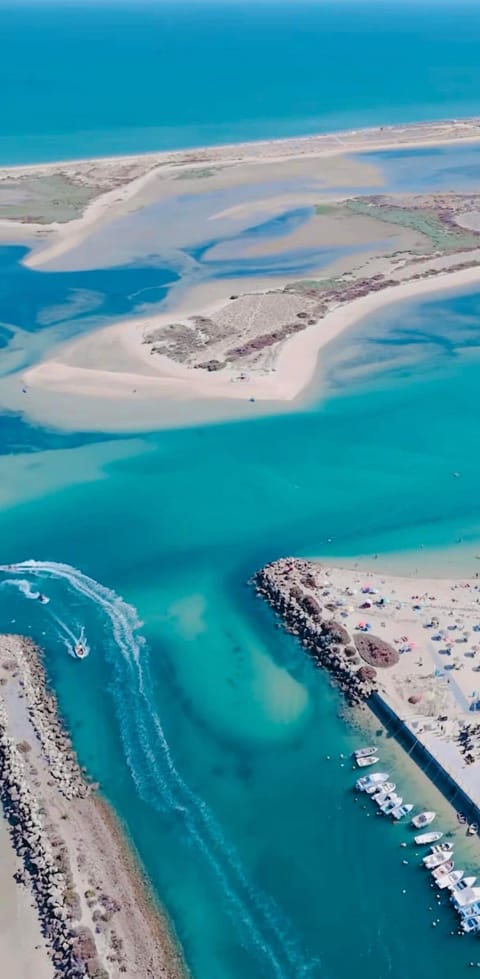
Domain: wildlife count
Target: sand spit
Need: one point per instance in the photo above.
(352, 140)
(409, 648)
(63, 202)
(93, 904)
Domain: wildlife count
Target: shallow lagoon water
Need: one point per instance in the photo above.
(214, 749)
(248, 832)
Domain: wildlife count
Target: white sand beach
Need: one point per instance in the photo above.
(420, 635)
(111, 375)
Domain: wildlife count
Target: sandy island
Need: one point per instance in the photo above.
(231, 347)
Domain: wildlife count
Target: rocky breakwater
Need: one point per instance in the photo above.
(39, 773)
(44, 870)
(295, 591)
(44, 715)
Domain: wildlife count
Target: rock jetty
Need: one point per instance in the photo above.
(45, 870)
(293, 588)
(97, 913)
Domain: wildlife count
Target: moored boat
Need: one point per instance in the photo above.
(365, 762)
(400, 811)
(376, 778)
(424, 838)
(471, 924)
(462, 884)
(436, 860)
(391, 803)
(423, 819)
(449, 880)
(443, 870)
(364, 753)
(384, 787)
(465, 899)
(383, 794)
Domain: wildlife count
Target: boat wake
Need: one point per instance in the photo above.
(22, 585)
(261, 926)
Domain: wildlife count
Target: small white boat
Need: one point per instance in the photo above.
(425, 838)
(391, 803)
(365, 762)
(464, 899)
(43, 599)
(423, 819)
(401, 811)
(462, 884)
(449, 880)
(437, 850)
(81, 649)
(380, 795)
(471, 924)
(364, 753)
(472, 829)
(443, 870)
(384, 787)
(376, 778)
(435, 860)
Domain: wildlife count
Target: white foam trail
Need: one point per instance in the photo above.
(160, 784)
(24, 586)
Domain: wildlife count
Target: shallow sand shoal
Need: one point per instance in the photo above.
(113, 182)
(112, 376)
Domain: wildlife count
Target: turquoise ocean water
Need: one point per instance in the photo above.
(208, 730)
(85, 79)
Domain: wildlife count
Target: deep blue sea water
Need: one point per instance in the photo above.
(86, 79)
(212, 740)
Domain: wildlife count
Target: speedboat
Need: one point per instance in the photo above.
(363, 753)
(365, 762)
(384, 787)
(376, 778)
(425, 838)
(43, 599)
(462, 884)
(449, 880)
(400, 811)
(471, 924)
(443, 870)
(80, 650)
(423, 819)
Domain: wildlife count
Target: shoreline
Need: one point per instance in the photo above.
(61, 389)
(248, 146)
(93, 900)
(130, 174)
(419, 689)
